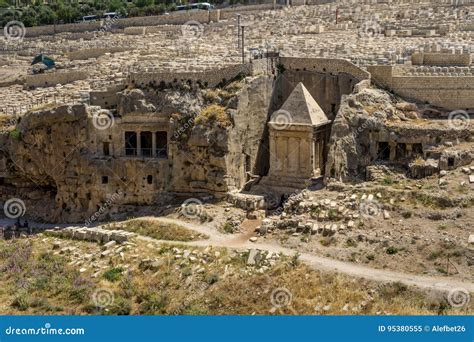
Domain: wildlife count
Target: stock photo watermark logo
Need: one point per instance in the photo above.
(459, 297)
(191, 208)
(272, 200)
(369, 209)
(459, 119)
(7, 124)
(107, 25)
(14, 208)
(103, 120)
(192, 30)
(103, 298)
(14, 30)
(281, 119)
(103, 208)
(47, 329)
(183, 128)
(281, 298)
(370, 28)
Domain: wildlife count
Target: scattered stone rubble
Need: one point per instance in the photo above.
(99, 235)
(93, 258)
(304, 214)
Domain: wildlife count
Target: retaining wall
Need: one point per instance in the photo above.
(441, 59)
(53, 78)
(93, 53)
(209, 78)
(324, 65)
(451, 92)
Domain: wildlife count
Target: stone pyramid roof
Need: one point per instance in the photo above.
(303, 108)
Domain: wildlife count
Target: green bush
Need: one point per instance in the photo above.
(21, 301)
(113, 274)
(121, 307)
(392, 250)
(15, 134)
(152, 303)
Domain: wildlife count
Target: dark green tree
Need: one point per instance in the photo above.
(46, 16)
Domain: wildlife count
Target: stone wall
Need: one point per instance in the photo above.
(445, 90)
(325, 87)
(324, 65)
(441, 59)
(49, 79)
(229, 13)
(93, 53)
(106, 99)
(208, 79)
(175, 18)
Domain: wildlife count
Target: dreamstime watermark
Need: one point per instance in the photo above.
(183, 128)
(459, 297)
(46, 330)
(459, 119)
(370, 28)
(281, 298)
(14, 30)
(8, 123)
(272, 200)
(14, 208)
(281, 119)
(192, 30)
(365, 125)
(107, 25)
(191, 208)
(103, 208)
(103, 119)
(369, 209)
(103, 298)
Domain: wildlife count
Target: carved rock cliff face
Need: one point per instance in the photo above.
(56, 164)
(361, 112)
(45, 163)
(373, 127)
(210, 157)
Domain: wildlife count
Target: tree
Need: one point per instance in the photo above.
(29, 16)
(46, 16)
(67, 13)
(117, 6)
(143, 3)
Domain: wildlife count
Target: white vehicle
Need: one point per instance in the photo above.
(90, 18)
(197, 6)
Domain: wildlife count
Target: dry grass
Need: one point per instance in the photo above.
(162, 231)
(211, 95)
(213, 115)
(7, 122)
(36, 280)
(234, 86)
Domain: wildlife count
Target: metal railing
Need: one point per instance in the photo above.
(130, 151)
(161, 153)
